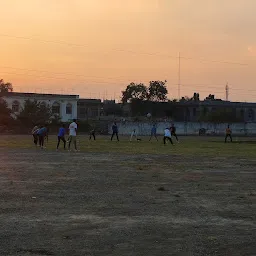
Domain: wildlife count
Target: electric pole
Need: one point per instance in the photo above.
(227, 91)
(179, 79)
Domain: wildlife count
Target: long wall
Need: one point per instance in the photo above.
(190, 128)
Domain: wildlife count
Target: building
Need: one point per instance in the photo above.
(194, 110)
(63, 105)
(89, 109)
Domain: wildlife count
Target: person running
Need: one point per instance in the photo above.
(92, 134)
(173, 132)
(153, 133)
(61, 136)
(72, 134)
(114, 131)
(41, 133)
(228, 134)
(34, 134)
(167, 136)
(133, 134)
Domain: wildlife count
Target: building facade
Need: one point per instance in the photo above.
(194, 111)
(89, 109)
(65, 106)
(69, 107)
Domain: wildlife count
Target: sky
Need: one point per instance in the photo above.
(95, 48)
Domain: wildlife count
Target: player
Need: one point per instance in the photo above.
(72, 134)
(167, 136)
(92, 134)
(153, 132)
(114, 131)
(228, 134)
(134, 134)
(173, 132)
(61, 136)
(41, 133)
(34, 134)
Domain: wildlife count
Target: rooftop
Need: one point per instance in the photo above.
(89, 101)
(37, 95)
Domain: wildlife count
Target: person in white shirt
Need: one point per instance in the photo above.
(134, 134)
(72, 134)
(167, 135)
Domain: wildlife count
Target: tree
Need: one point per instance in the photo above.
(5, 87)
(134, 91)
(5, 113)
(196, 97)
(157, 91)
(185, 99)
(55, 120)
(34, 112)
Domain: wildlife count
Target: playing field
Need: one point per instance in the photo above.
(128, 198)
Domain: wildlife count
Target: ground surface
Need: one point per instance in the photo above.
(196, 198)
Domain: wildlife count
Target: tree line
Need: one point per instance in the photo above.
(156, 91)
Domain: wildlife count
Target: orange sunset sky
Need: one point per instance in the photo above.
(94, 48)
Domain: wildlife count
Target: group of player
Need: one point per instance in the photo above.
(169, 132)
(40, 134)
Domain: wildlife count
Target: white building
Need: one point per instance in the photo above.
(63, 105)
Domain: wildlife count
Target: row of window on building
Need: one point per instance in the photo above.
(249, 114)
(55, 107)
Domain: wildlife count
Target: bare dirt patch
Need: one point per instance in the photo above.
(55, 203)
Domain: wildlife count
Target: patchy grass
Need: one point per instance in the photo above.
(193, 146)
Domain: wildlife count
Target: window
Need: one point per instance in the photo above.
(94, 112)
(82, 111)
(69, 109)
(242, 114)
(194, 111)
(251, 115)
(187, 115)
(15, 106)
(56, 108)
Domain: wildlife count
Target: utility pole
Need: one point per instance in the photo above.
(227, 91)
(179, 79)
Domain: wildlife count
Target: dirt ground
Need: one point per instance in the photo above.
(55, 203)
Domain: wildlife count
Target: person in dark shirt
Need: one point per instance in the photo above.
(61, 136)
(153, 133)
(228, 134)
(41, 135)
(173, 132)
(92, 134)
(114, 131)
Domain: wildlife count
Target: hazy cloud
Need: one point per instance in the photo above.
(252, 50)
